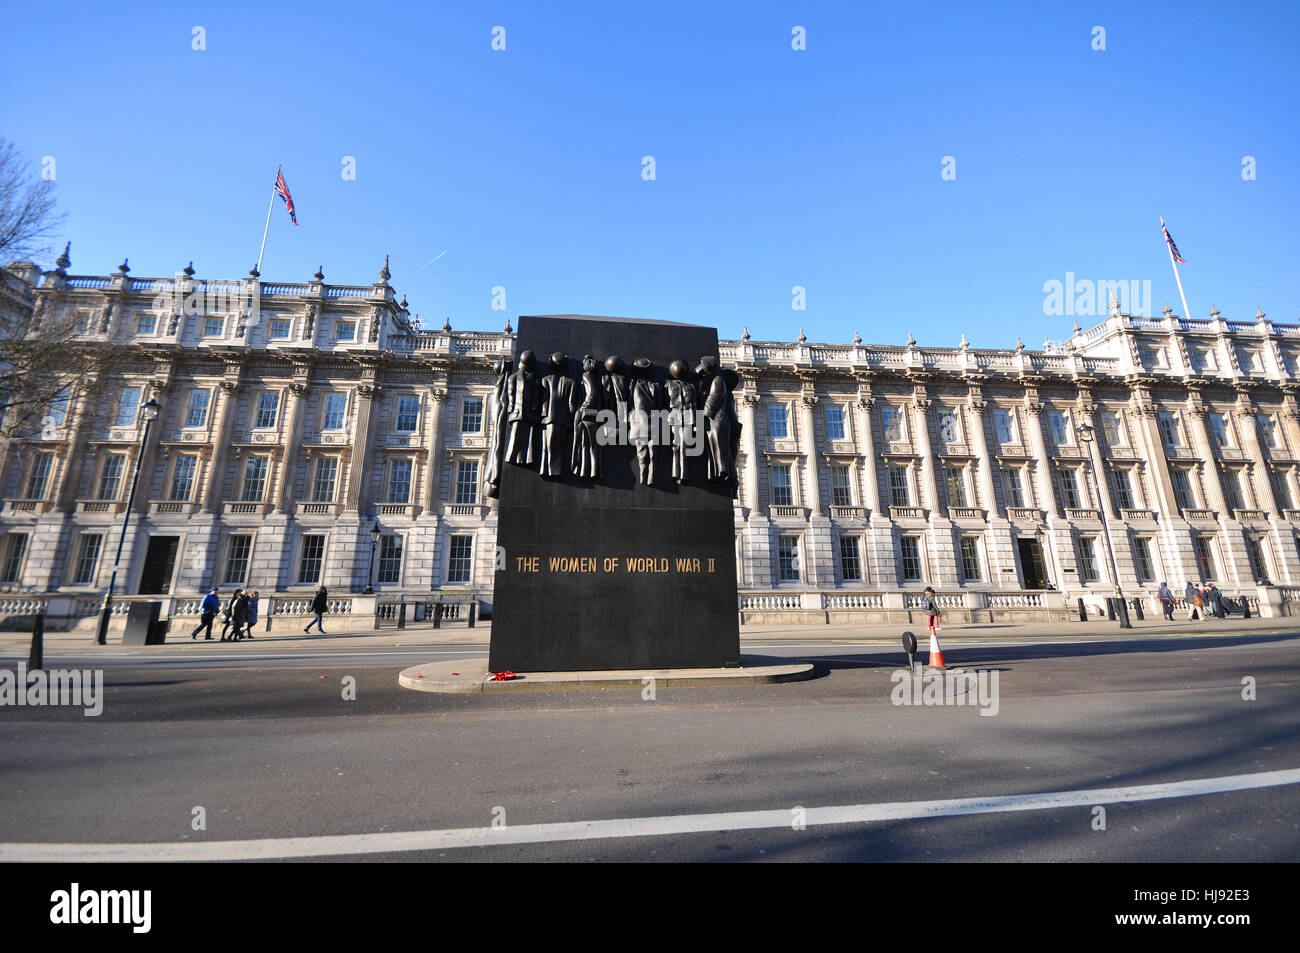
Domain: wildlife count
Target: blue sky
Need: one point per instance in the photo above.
(774, 168)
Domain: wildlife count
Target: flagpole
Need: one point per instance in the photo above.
(1183, 297)
(270, 208)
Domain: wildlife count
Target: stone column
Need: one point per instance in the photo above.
(432, 475)
(999, 545)
(220, 458)
(749, 438)
(812, 483)
(1059, 536)
(288, 456)
(1198, 436)
(921, 427)
(1261, 489)
(358, 468)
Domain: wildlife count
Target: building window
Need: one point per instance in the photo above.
(949, 429)
(38, 480)
(1070, 487)
(238, 550)
(399, 481)
(1059, 423)
(390, 559)
(955, 478)
(146, 323)
(327, 472)
(850, 559)
(467, 481)
(1123, 489)
(313, 557)
(213, 326)
(1015, 490)
(782, 491)
(268, 403)
(56, 412)
(183, 477)
(408, 413)
(110, 476)
(196, 408)
(910, 564)
(254, 480)
(841, 489)
(1281, 489)
(891, 420)
(1231, 489)
(128, 407)
(1182, 482)
(970, 559)
(1203, 358)
(1267, 431)
(345, 331)
(15, 547)
(1204, 559)
(834, 422)
(336, 408)
(471, 415)
(777, 425)
(280, 330)
(1112, 428)
(1169, 430)
(787, 558)
(83, 567)
(1255, 552)
(900, 494)
(1142, 559)
(1004, 425)
(1222, 433)
(1087, 559)
(458, 558)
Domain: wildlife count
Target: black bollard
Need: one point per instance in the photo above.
(437, 615)
(270, 611)
(1137, 609)
(1245, 608)
(36, 659)
(473, 611)
(909, 646)
(401, 615)
(1083, 613)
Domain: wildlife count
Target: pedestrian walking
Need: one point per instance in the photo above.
(209, 608)
(252, 614)
(1166, 597)
(1216, 601)
(239, 616)
(1203, 595)
(319, 605)
(228, 617)
(1190, 597)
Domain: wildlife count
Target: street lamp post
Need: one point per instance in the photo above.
(374, 539)
(150, 410)
(1086, 435)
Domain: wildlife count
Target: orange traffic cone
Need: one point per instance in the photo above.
(936, 656)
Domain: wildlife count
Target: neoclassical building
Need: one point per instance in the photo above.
(313, 433)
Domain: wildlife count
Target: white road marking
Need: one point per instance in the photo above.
(403, 841)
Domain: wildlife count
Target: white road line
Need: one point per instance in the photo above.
(404, 841)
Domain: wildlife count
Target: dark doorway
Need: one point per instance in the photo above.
(159, 559)
(1031, 563)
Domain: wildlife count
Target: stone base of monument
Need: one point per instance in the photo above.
(471, 676)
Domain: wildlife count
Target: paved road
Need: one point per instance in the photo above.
(270, 749)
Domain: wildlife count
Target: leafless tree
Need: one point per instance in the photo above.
(29, 217)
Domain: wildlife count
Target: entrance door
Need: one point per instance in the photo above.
(1031, 563)
(159, 559)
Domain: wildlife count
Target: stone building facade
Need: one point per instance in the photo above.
(313, 434)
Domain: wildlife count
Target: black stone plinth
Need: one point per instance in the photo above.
(609, 574)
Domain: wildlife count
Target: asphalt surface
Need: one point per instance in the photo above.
(263, 740)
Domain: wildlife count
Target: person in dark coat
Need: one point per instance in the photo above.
(228, 616)
(239, 615)
(1216, 601)
(1166, 597)
(209, 609)
(252, 615)
(319, 605)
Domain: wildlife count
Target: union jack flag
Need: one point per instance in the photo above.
(1173, 249)
(282, 190)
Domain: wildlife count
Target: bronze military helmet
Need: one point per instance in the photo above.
(679, 370)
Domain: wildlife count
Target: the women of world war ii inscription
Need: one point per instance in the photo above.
(614, 465)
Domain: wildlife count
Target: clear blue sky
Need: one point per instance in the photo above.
(774, 168)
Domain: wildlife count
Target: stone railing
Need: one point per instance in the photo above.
(900, 606)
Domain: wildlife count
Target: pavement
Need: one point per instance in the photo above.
(291, 637)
